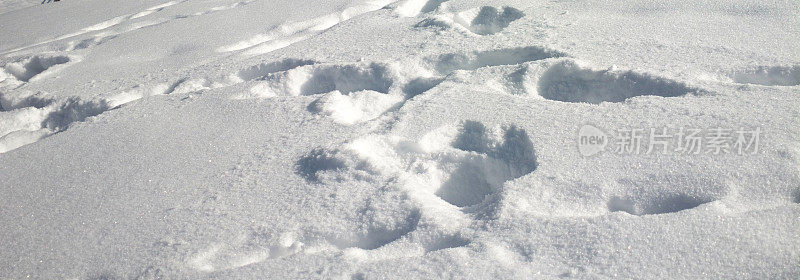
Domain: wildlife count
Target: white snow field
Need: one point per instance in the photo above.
(410, 139)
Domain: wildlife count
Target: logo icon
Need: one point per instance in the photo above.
(591, 140)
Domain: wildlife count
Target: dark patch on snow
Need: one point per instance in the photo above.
(318, 160)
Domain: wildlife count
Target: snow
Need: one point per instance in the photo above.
(365, 139)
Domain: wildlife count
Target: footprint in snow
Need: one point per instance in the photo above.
(665, 194)
(570, 81)
(433, 184)
(250, 247)
(768, 76)
(486, 20)
(32, 68)
(27, 120)
(347, 93)
(461, 166)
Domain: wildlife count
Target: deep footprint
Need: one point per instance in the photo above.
(658, 195)
(317, 161)
(27, 69)
(38, 102)
(71, 111)
(494, 163)
(447, 63)
(41, 117)
(569, 82)
(490, 20)
(318, 79)
(769, 76)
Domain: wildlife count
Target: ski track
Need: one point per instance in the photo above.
(103, 33)
(290, 33)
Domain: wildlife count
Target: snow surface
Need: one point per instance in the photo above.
(381, 139)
